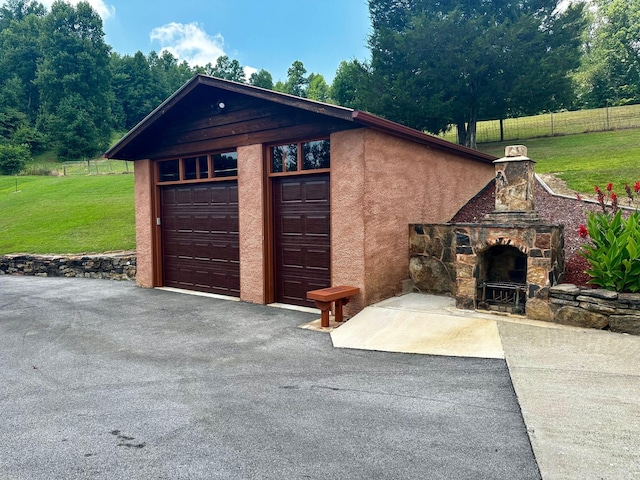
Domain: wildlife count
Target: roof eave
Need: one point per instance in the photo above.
(151, 118)
(401, 131)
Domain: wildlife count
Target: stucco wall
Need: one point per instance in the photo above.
(400, 183)
(405, 182)
(252, 223)
(347, 214)
(143, 170)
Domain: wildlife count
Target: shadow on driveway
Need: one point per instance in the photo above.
(103, 379)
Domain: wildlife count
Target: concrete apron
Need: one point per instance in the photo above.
(578, 389)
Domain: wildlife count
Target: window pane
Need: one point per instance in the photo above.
(203, 164)
(292, 157)
(316, 155)
(277, 154)
(284, 158)
(169, 171)
(225, 164)
(190, 168)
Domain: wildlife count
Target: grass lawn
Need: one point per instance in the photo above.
(584, 160)
(82, 214)
(66, 214)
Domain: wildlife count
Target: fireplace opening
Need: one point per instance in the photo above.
(502, 279)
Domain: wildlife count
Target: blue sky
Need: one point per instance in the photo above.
(267, 34)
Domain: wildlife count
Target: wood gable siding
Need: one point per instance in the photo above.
(189, 122)
(195, 125)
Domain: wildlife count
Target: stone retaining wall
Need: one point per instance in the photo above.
(116, 266)
(595, 308)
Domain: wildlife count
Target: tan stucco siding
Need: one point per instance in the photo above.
(251, 197)
(347, 213)
(145, 222)
(379, 185)
(408, 183)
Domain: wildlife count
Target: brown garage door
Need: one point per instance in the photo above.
(200, 246)
(302, 237)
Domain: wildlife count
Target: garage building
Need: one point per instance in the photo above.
(260, 195)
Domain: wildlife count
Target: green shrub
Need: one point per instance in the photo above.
(13, 158)
(614, 251)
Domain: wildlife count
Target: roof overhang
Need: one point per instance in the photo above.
(347, 117)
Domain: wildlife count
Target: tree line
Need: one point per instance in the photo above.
(432, 65)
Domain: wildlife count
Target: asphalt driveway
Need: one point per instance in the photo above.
(103, 379)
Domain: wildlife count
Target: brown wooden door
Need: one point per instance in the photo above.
(200, 240)
(302, 237)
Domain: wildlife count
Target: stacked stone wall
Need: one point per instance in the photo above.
(117, 266)
(595, 308)
(444, 259)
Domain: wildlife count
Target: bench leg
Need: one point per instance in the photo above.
(339, 303)
(324, 308)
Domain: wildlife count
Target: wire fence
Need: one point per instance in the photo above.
(95, 167)
(557, 123)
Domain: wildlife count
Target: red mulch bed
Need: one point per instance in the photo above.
(552, 209)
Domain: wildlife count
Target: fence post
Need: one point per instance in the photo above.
(552, 124)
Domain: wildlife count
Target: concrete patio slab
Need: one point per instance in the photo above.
(396, 330)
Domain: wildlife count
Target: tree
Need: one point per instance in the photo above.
(350, 83)
(74, 74)
(132, 88)
(297, 82)
(610, 70)
(459, 61)
(225, 68)
(318, 88)
(78, 134)
(262, 79)
(13, 158)
(18, 10)
(20, 30)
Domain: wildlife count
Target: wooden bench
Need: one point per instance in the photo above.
(323, 298)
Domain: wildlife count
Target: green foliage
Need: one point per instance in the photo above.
(318, 88)
(297, 82)
(614, 251)
(67, 214)
(261, 79)
(349, 84)
(610, 70)
(13, 158)
(74, 79)
(225, 68)
(455, 62)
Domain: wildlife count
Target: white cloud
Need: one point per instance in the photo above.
(104, 10)
(189, 42)
(248, 71)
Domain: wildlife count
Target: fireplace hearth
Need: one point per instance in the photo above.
(506, 262)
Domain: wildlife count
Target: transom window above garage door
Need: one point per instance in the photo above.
(299, 157)
(217, 166)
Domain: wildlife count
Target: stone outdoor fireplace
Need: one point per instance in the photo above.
(506, 262)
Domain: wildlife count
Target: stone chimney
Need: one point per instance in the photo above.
(515, 186)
